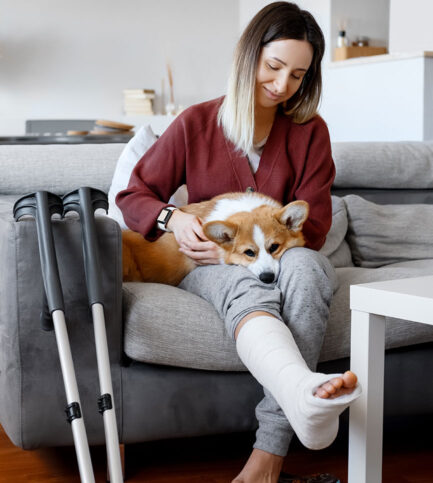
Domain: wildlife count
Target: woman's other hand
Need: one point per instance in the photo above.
(188, 231)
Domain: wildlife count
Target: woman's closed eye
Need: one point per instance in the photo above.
(273, 67)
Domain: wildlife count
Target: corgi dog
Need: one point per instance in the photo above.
(250, 229)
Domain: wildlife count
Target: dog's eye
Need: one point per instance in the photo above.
(249, 253)
(273, 248)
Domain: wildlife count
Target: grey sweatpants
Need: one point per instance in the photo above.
(301, 298)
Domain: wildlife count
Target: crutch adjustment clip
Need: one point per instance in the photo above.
(104, 403)
(73, 411)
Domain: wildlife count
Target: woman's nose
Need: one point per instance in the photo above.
(280, 85)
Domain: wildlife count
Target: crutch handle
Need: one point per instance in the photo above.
(42, 205)
(86, 201)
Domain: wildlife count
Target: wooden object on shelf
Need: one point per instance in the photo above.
(343, 53)
(77, 133)
(113, 125)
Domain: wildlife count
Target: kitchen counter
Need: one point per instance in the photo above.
(64, 139)
(371, 59)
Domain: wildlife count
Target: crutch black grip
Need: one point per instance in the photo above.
(86, 201)
(42, 205)
(45, 315)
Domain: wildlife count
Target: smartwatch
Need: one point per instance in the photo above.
(164, 216)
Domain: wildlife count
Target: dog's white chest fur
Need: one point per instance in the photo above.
(227, 207)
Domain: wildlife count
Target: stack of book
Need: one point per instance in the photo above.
(111, 128)
(138, 101)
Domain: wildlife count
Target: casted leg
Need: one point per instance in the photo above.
(270, 351)
(267, 347)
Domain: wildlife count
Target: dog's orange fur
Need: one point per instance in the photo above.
(162, 262)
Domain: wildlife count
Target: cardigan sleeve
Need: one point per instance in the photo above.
(156, 176)
(315, 186)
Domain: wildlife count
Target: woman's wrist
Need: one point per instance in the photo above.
(173, 219)
(164, 218)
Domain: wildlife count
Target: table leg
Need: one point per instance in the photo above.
(366, 413)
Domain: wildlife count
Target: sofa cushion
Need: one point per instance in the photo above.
(382, 234)
(342, 257)
(167, 325)
(399, 333)
(335, 247)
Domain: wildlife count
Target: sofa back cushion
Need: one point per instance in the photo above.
(384, 165)
(57, 167)
(382, 234)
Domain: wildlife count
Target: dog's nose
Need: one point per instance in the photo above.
(267, 277)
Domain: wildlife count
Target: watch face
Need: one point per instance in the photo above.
(164, 216)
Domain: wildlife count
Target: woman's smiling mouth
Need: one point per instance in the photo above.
(271, 95)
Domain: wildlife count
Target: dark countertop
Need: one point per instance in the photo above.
(64, 139)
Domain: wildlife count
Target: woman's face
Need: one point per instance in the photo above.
(281, 68)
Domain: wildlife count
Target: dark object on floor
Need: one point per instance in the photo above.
(316, 478)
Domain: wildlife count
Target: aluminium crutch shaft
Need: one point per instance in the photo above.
(85, 201)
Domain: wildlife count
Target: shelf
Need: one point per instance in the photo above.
(381, 58)
(344, 53)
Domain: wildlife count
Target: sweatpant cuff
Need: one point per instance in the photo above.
(276, 441)
(231, 324)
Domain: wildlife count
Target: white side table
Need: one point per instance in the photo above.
(410, 299)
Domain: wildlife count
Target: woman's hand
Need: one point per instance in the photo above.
(192, 241)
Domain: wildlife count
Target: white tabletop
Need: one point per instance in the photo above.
(409, 298)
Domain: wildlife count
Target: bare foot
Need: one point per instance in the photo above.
(337, 386)
(261, 467)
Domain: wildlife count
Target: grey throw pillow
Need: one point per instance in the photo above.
(335, 247)
(382, 234)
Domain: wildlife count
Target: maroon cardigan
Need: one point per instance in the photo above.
(296, 164)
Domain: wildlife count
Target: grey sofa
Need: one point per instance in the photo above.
(174, 382)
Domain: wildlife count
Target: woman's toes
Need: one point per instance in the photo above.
(349, 379)
(322, 393)
(337, 382)
(338, 386)
(329, 387)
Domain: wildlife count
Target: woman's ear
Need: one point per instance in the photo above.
(220, 232)
(294, 215)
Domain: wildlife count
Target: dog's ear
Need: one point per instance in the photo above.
(294, 215)
(220, 232)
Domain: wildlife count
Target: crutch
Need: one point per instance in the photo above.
(42, 205)
(85, 201)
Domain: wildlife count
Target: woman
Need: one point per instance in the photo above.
(265, 135)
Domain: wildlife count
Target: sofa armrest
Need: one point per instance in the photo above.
(32, 395)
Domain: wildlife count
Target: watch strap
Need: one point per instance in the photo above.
(164, 216)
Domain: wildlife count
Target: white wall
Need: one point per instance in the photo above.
(62, 59)
(411, 26)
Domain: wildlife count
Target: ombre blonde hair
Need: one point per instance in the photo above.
(276, 21)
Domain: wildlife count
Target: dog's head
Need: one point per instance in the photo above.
(257, 239)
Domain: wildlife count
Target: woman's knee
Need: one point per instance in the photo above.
(304, 266)
(234, 291)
